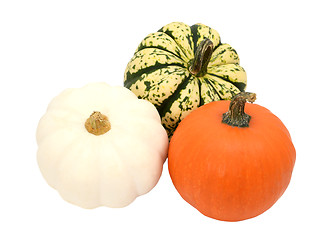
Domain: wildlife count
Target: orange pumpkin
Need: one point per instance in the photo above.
(231, 160)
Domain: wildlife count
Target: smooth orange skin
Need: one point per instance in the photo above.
(231, 173)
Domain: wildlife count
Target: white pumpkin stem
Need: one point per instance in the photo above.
(97, 124)
(236, 115)
(198, 66)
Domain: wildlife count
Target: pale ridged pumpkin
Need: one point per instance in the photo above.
(100, 145)
(231, 164)
(180, 68)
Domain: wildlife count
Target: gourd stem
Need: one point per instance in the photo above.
(97, 124)
(236, 115)
(199, 64)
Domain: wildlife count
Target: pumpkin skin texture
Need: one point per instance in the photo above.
(110, 169)
(231, 173)
(163, 71)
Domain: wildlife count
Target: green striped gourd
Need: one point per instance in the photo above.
(180, 68)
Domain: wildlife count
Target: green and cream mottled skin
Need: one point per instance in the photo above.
(159, 71)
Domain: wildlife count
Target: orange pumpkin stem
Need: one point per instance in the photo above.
(199, 64)
(236, 115)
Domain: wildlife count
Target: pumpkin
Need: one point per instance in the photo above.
(231, 160)
(101, 146)
(180, 68)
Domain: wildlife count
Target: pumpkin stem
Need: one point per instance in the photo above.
(199, 64)
(236, 115)
(97, 124)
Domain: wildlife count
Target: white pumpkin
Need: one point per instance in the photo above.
(103, 159)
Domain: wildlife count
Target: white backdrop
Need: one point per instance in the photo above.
(286, 48)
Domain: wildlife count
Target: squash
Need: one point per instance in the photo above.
(180, 68)
(101, 146)
(231, 160)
